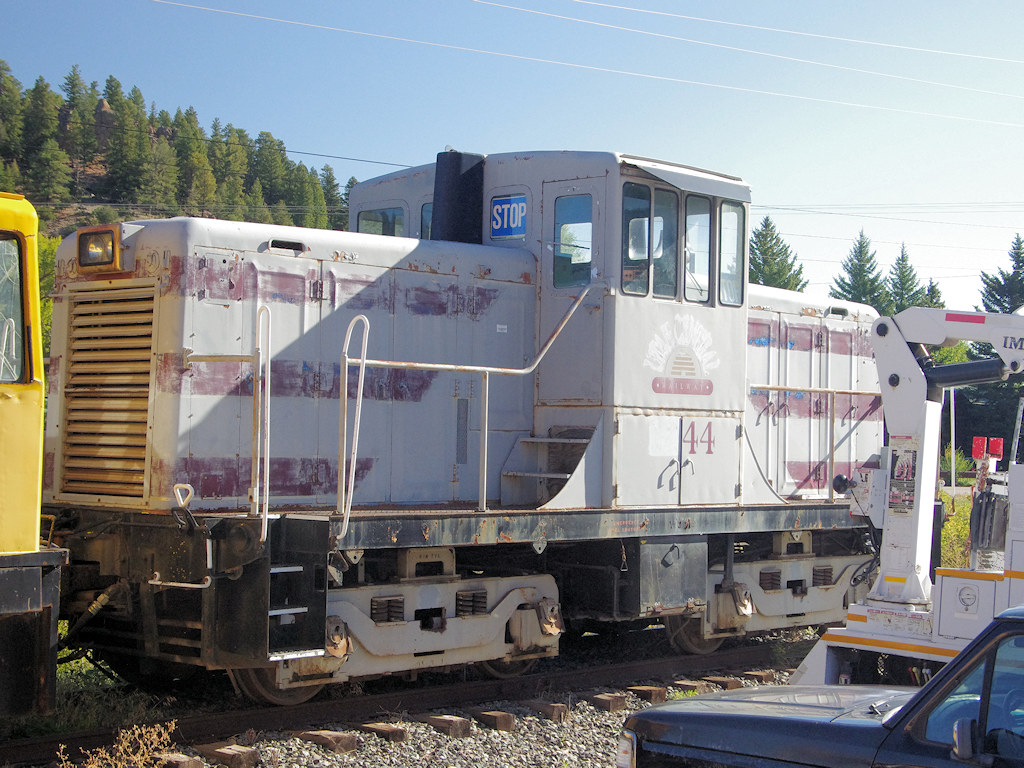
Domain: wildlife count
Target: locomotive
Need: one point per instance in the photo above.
(529, 393)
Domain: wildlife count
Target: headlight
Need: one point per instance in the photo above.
(99, 249)
(625, 755)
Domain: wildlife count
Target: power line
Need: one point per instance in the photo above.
(737, 49)
(594, 68)
(876, 43)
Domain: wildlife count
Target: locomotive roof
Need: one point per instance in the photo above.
(766, 297)
(323, 245)
(567, 164)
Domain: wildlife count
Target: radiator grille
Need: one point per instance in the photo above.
(106, 392)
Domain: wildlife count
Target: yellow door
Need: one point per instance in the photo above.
(21, 377)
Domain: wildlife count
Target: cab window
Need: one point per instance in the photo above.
(382, 221)
(665, 244)
(649, 243)
(573, 239)
(12, 325)
(732, 257)
(636, 218)
(697, 272)
(426, 220)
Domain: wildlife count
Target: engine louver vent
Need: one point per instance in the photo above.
(106, 392)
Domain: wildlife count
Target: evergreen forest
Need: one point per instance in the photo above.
(87, 155)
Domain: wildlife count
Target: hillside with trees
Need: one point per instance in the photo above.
(87, 155)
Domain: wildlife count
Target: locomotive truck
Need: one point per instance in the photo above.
(531, 393)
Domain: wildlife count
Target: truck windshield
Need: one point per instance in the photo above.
(12, 353)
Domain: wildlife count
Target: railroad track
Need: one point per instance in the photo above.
(421, 699)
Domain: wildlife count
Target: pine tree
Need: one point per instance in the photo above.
(193, 164)
(1004, 291)
(861, 280)
(10, 176)
(332, 197)
(77, 131)
(771, 261)
(50, 176)
(159, 185)
(279, 214)
(256, 209)
(39, 122)
(233, 166)
(128, 146)
(352, 181)
(10, 115)
(904, 288)
(933, 296)
(270, 167)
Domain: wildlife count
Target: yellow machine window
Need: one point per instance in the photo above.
(12, 313)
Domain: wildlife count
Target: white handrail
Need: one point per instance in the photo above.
(484, 370)
(261, 422)
(346, 486)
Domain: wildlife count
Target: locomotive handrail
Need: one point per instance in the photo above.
(832, 393)
(484, 370)
(261, 421)
(260, 360)
(345, 494)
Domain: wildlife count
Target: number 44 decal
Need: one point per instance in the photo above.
(696, 442)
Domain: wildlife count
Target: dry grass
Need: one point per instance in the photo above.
(140, 746)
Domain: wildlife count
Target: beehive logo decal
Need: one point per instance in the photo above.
(681, 353)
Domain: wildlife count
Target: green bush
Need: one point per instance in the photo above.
(965, 472)
(956, 532)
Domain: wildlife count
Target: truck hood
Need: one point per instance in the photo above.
(810, 724)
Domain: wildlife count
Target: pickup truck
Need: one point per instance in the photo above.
(971, 713)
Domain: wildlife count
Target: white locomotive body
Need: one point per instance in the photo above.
(573, 406)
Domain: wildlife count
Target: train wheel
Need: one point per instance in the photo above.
(259, 685)
(502, 670)
(685, 637)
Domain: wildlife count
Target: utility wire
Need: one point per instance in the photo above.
(594, 68)
(876, 43)
(737, 49)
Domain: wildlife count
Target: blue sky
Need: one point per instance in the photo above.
(902, 119)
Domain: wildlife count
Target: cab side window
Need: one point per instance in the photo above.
(1004, 708)
(697, 274)
(382, 221)
(573, 240)
(991, 699)
(732, 257)
(12, 324)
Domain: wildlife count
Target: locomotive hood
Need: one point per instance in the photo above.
(812, 725)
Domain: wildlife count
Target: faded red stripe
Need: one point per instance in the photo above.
(958, 318)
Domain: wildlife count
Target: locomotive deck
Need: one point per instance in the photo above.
(455, 527)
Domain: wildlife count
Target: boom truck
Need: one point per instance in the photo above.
(915, 611)
(29, 572)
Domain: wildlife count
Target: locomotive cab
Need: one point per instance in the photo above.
(641, 373)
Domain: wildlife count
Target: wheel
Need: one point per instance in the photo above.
(685, 637)
(502, 670)
(258, 684)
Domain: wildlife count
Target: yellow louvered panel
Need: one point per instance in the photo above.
(107, 393)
